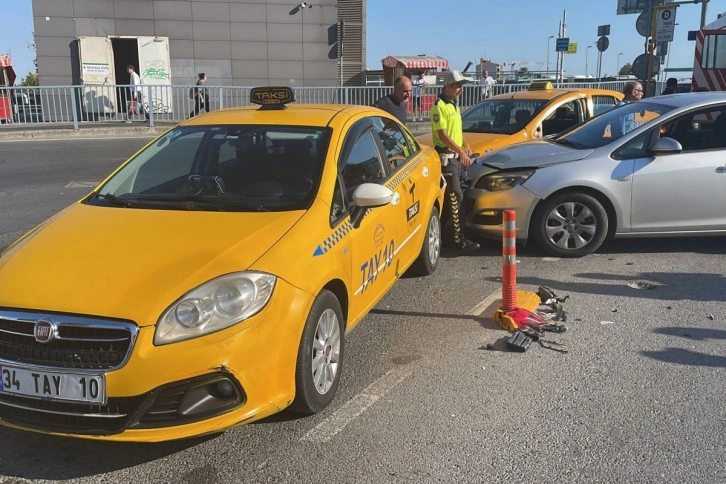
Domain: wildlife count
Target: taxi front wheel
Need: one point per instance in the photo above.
(320, 356)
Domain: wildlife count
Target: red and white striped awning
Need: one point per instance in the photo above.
(415, 62)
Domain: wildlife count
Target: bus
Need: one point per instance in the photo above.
(709, 65)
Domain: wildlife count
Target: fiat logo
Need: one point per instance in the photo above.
(45, 331)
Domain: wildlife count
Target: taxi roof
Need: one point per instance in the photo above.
(553, 93)
(293, 114)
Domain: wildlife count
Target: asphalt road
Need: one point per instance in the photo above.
(639, 398)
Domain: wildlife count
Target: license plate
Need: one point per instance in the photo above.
(53, 385)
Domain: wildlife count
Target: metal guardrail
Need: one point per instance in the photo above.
(33, 106)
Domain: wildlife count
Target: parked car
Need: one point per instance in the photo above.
(210, 280)
(542, 110)
(666, 177)
(27, 107)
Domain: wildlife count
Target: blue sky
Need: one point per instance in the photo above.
(503, 31)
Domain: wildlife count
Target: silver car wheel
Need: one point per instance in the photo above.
(570, 225)
(326, 351)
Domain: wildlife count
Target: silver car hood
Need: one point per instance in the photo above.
(532, 154)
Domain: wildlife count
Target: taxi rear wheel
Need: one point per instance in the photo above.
(320, 356)
(428, 258)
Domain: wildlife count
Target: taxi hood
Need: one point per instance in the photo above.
(533, 154)
(128, 263)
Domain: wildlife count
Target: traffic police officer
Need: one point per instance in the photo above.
(454, 151)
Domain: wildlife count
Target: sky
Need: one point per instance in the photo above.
(503, 31)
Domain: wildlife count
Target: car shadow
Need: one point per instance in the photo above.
(683, 356)
(28, 455)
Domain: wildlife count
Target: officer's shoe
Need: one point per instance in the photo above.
(467, 245)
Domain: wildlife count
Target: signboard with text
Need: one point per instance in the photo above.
(665, 25)
(636, 6)
(563, 44)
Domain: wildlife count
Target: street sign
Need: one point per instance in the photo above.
(665, 24)
(692, 34)
(562, 44)
(572, 48)
(603, 30)
(642, 26)
(603, 43)
(640, 66)
(636, 6)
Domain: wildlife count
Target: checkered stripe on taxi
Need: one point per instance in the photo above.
(333, 238)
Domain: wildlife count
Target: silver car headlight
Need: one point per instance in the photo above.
(497, 182)
(215, 305)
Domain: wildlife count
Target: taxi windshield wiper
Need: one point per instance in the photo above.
(192, 200)
(113, 199)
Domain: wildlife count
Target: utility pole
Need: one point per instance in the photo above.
(561, 55)
(704, 11)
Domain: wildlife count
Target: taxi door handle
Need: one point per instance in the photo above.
(396, 199)
(721, 169)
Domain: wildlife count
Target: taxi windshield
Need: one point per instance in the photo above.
(612, 124)
(500, 116)
(225, 167)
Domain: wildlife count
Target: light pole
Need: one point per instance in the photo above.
(548, 54)
(587, 52)
(617, 71)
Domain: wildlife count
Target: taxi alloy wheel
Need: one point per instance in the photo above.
(428, 259)
(571, 225)
(320, 355)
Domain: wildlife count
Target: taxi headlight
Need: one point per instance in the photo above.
(215, 305)
(497, 182)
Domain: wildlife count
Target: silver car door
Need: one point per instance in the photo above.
(684, 191)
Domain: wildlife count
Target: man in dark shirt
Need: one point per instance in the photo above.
(395, 102)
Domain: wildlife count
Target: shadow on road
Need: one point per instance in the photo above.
(682, 356)
(34, 456)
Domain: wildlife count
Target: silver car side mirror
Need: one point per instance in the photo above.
(666, 146)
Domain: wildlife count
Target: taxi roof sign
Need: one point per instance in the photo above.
(274, 97)
(541, 86)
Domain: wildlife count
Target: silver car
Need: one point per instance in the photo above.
(652, 168)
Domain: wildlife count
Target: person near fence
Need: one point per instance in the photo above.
(200, 95)
(487, 84)
(633, 91)
(135, 103)
(418, 85)
(671, 86)
(394, 103)
(448, 138)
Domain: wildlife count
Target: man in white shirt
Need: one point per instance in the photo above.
(487, 82)
(135, 103)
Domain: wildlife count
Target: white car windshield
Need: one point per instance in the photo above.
(613, 124)
(235, 168)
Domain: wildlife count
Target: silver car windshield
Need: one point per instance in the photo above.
(229, 168)
(501, 116)
(613, 124)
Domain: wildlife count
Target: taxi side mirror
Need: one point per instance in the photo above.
(368, 195)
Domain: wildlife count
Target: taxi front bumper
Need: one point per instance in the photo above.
(194, 387)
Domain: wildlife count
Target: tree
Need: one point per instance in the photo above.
(31, 79)
(626, 70)
(523, 71)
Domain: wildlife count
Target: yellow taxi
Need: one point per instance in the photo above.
(210, 280)
(537, 112)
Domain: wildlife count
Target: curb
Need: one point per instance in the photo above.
(83, 132)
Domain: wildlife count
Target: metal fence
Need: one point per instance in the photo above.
(171, 104)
